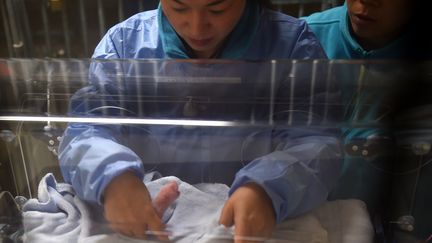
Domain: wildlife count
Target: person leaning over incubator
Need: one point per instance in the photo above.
(373, 29)
(264, 192)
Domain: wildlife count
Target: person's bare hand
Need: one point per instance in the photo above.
(129, 208)
(251, 211)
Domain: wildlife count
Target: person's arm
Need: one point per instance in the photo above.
(131, 211)
(298, 175)
(128, 208)
(305, 161)
(91, 155)
(250, 209)
(292, 180)
(94, 157)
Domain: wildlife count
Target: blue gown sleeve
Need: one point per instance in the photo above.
(305, 161)
(90, 155)
(298, 175)
(90, 158)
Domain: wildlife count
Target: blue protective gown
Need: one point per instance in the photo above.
(295, 167)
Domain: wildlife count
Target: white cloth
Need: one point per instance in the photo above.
(57, 215)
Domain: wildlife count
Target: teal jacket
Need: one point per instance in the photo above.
(358, 178)
(362, 178)
(332, 28)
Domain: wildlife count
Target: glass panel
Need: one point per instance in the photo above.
(204, 121)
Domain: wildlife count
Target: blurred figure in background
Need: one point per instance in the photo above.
(385, 30)
(372, 29)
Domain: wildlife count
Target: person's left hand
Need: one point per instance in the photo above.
(251, 211)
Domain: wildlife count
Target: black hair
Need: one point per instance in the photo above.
(420, 22)
(265, 3)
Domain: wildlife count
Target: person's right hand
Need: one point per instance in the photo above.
(129, 208)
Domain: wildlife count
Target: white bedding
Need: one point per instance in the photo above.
(57, 215)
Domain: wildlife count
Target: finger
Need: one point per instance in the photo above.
(157, 228)
(245, 234)
(166, 196)
(131, 230)
(117, 228)
(241, 230)
(227, 215)
(139, 231)
(244, 231)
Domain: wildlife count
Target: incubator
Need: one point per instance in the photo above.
(350, 141)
